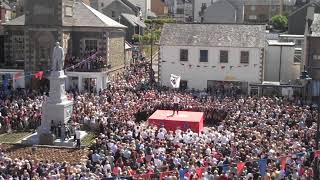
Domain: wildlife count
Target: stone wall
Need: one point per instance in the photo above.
(116, 49)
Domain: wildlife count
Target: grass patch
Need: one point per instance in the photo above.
(13, 137)
(147, 49)
(87, 140)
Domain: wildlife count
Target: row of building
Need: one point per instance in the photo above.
(248, 57)
(206, 55)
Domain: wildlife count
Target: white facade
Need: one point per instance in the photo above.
(197, 74)
(279, 65)
(76, 80)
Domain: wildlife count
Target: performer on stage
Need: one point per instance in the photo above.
(176, 101)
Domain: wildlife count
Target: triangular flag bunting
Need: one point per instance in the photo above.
(17, 76)
(39, 75)
(222, 67)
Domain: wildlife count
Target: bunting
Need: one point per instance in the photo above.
(222, 67)
(39, 75)
(17, 76)
(231, 67)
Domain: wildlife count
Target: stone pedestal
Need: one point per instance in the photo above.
(57, 109)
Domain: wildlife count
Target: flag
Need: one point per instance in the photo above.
(231, 67)
(262, 167)
(317, 153)
(17, 76)
(225, 168)
(222, 67)
(199, 172)
(39, 75)
(240, 167)
(175, 81)
(283, 162)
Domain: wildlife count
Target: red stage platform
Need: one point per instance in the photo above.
(184, 120)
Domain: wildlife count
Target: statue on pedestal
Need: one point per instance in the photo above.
(57, 58)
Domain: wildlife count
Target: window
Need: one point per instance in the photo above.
(180, 11)
(253, 8)
(244, 58)
(297, 56)
(113, 14)
(68, 11)
(183, 85)
(203, 55)
(252, 17)
(91, 45)
(18, 47)
(183, 54)
(223, 56)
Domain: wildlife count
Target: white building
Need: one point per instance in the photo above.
(206, 55)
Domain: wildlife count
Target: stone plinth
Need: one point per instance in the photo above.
(57, 109)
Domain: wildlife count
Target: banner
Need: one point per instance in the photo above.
(175, 81)
(263, 167)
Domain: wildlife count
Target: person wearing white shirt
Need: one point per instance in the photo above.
(176, 101)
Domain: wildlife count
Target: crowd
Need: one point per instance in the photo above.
(243, 133)
(91, 61)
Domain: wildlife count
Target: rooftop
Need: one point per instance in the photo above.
(84, 16)
(213, 35)
(133, 20)
(268, 2)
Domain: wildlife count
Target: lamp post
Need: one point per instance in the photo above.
(305, 79)
(151, 52)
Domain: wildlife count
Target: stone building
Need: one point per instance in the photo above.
(81, 30)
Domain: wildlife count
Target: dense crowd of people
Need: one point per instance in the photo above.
(242, 134)
(91, 61)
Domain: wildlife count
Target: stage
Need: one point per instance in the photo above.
(184, 120)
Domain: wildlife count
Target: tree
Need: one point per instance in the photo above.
(280, 22)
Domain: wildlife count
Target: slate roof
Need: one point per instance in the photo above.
(268, 2)
(5, 4)
(133, 20)
(315, 27)
(84, 16)
(213, 35)
(19, 21)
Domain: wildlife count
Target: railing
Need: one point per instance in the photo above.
(11, 66)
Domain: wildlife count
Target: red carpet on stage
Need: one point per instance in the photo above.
(184, 120)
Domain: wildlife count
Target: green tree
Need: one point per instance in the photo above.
(280, 22)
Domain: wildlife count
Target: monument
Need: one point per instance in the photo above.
(56, 110)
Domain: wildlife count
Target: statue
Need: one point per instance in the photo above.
(57, 58)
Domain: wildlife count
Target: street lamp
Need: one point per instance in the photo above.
(305, 79)
(151, 52)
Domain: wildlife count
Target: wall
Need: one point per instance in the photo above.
(220, 12)
(197, 76)
(263, 13)
(158, 7)
(289, 69)
(117, 8)
(197, 8)
(313, 63)
(116, 49)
